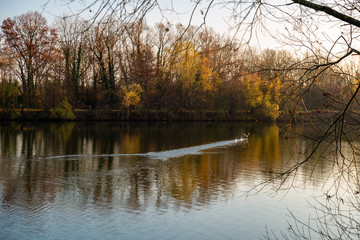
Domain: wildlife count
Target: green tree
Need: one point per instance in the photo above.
(63, 111)
(9, 93)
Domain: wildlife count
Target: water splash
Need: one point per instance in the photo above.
(163, 155)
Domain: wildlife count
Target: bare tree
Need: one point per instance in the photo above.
(324, 34)
(31, 43)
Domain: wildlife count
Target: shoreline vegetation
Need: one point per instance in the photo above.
(159, 115)
(151, 73)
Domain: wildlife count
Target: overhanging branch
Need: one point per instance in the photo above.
(330, 11)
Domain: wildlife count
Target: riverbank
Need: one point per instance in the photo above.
(162, 115)
(136, 115)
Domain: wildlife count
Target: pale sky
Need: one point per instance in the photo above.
(217, 19)
(58, 8)
(16, 7)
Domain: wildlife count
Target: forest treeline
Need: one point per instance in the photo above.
(116, 66)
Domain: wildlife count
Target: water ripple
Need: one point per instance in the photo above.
(161, 155)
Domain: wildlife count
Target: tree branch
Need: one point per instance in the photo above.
(330, 11)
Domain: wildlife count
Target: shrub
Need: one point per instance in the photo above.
(62, 111)
(9, 92)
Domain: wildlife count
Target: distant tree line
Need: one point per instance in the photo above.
(113, 65)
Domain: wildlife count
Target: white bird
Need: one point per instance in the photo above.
(246, 136)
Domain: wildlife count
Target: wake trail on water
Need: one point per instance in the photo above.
(162, 155)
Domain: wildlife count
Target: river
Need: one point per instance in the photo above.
(153, 180)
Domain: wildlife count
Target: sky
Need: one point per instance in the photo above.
(16, 7)
(58, 8)
(218, 19)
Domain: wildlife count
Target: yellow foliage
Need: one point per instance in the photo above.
(193, 70)
(131, 94)
(209, 79)
(262, 96)
(252, 91)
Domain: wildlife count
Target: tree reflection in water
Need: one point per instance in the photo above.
(93, 171)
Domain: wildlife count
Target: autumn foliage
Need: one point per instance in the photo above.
(129, 67)
(31, 43)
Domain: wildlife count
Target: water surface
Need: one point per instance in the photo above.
(106, 180)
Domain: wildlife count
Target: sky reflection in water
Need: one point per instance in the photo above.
(124, 181)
